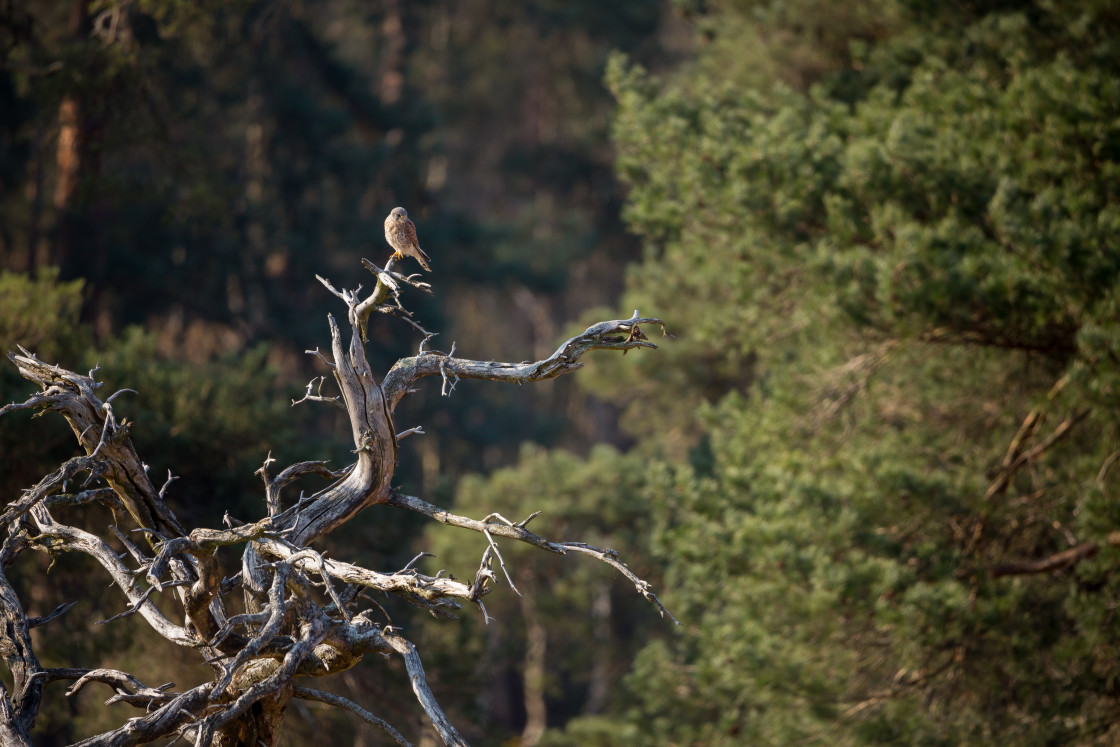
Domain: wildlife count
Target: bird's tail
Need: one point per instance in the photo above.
(423, 259)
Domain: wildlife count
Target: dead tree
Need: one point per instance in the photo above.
(295, 614)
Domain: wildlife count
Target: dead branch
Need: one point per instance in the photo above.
(619, 334)
(1059, 561)
(410, 585)
(340, 702)
(1016, 457)
(75, 397)
(273, 486)
(124, 684)
(415, 669)
(62, 537)
(367, 482)
(53, 483)
(104, 496)
(59, 611)
(169, 719)
(521, 534)
(318, 395)
(19, 656)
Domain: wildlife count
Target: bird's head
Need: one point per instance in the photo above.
(399, 213)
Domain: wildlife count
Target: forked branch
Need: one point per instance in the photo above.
(517, 531)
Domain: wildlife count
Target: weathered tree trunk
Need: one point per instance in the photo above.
(260, 726)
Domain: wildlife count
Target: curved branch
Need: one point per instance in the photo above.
(619, 334)
(374, 440)
(128, 689)
(98, 432)
(167, 720)
(450, 736)
(521, 534)
(53, 483)
(340, 702)
(1059, 561)
(72, 538)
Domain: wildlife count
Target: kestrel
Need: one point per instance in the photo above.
(401, 235)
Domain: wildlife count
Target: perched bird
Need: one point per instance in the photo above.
(401, 235)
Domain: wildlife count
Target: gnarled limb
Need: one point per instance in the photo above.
(54, 535)
(99, 433)
(521, 534)
(374, 440)
(409, 584)
(619, 334)
(19, 656)
(127, 688)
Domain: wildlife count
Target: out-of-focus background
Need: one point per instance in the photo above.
(873, 475)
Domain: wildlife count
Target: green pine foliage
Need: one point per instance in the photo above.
(875, 279)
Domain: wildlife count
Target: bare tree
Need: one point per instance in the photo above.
(304, 615)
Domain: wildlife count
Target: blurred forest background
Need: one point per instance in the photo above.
(874, 476)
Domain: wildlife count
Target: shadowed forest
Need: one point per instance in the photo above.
(873, 475)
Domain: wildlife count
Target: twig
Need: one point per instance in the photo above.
(501, 560)
(170, 479)
(408, 566)
(135, 606)
(1016, 458)
(59, 611)
(321, 357)
(416, 430)
(318, 396)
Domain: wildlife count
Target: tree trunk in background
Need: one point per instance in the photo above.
(37, 252)
(392, 59)
(69, 152)
(600, 682)
(536, 639)
(245, 294)
(72, 146)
